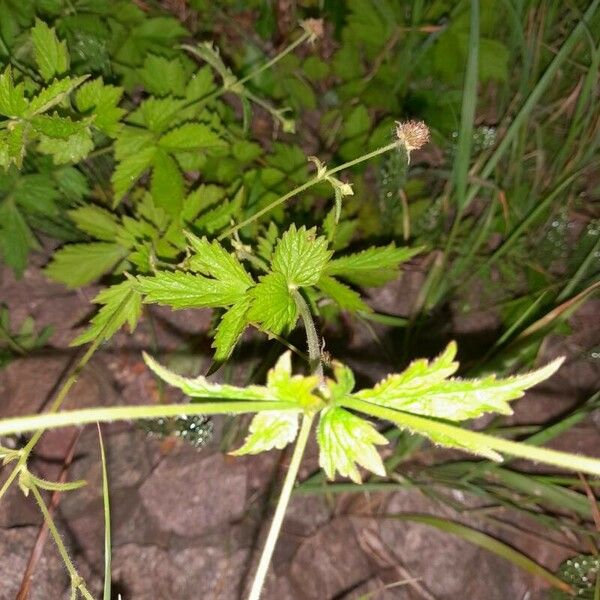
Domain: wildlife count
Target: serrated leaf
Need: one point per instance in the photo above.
(293, 388)
(268, 430)
(184, 290)
(12, 98)
(345, 297)
(130, 169)
(230, 328)
(200, 387)
(210, 258)
(95, 221)
(103, 100)
(53, 94)
(273, 308)
(189, 137)
(57, 127)
(70, 150)
(13, 143)
(122, 304)
(158, 114)
(79, 264)
(167, 185)
(424, 389)
(300, 256)
(162, 76)
(371, 267)
(346, 440)
(16, 238)
(51, 55)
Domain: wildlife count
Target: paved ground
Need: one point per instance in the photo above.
(188, 524)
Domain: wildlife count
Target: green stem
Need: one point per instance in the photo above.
(312, 337)
(474, 440)
(307, 185)
(119, 413)
(76, 580)
(282, 503)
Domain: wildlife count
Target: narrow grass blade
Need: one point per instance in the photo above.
(107, 536)
(469, 103)
(488, 543)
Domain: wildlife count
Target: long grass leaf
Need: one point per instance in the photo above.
(107, 536)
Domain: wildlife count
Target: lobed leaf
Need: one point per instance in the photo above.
(424, 389)
(122, 304)
(273, 307)
(346, 440)
(230, 328)
(268, 430)
(371, 267)
(300, 256)
(51, 55)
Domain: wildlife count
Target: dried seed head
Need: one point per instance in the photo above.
(413, 134)
(314, 27)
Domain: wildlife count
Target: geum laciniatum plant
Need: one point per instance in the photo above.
(272, 285)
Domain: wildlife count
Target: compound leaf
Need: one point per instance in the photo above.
(103, 100)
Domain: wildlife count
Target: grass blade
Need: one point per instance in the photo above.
(469, 103)
(107, 537)
(488, 543)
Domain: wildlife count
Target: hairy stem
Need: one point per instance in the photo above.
(312, 337)
(307, 185)
(76, 580)
(282, 503)
(120, 413)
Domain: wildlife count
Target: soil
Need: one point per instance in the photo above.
(189, 523)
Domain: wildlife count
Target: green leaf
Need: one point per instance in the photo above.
(129, 170)
(121, 304)
(158, 114)
(57, 127)
(345, 297)
(103, 101)
(300, 256)
(424, 389)
(162, 76)
(13, 143)
(293, 388)
(12, 98)
(51, 55)
(167, 185)
(79, 264)
(273, 308)
(95, 221)
(16, 238)
(53, 95)
(184, 290)
(346, 440)
(190, 137)
(200, 387)
(268, 430)
(371, 267)
(210, 258)
(230, 328)
(70, 150)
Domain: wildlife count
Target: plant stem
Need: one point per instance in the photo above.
(474, 440)
(312, 337)
(307, 185)
(76, 581)
(119, 413)
(282, 503)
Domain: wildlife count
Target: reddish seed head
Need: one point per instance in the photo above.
(413, 134)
